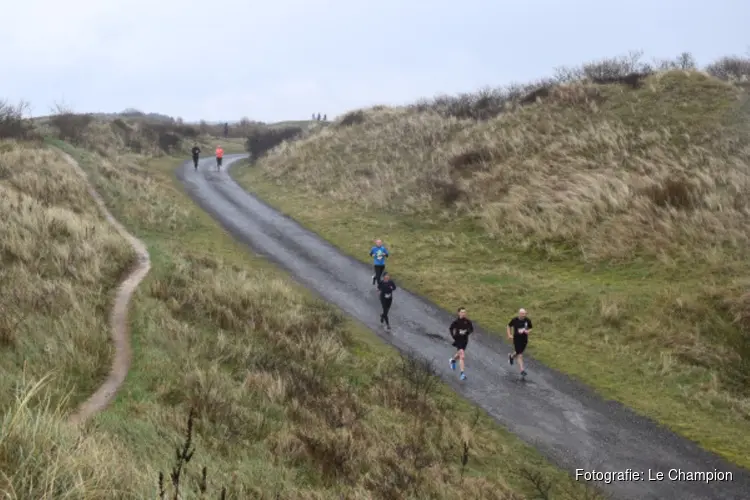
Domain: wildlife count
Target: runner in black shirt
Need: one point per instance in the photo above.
(460, 330)
(196, 154)
(521, 326)
(386, 287)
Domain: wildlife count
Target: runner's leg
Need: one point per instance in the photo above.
(386, 303)
(378, 274)
(519, 343)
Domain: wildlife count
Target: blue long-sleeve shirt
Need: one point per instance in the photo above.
(378, 255)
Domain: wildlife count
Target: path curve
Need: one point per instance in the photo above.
(565, 420)
(118, 319)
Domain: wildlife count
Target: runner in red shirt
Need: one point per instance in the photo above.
(219, 157)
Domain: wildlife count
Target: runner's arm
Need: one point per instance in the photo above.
(528, 330)
(507, 329)
(452, 329)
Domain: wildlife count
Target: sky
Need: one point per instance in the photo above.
(277, 60)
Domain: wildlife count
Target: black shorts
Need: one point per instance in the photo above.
(460, 344)
(218, 160)
(519, 343)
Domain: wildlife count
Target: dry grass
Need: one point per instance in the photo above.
(580, 173)
(60, 264)
(618, 214)
(290, 401)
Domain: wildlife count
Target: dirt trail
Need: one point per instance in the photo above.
(118, 319)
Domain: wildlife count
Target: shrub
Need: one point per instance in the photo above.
(263, 139)
(730, 68)
(71, 126)
(13, 122)
(352, 118)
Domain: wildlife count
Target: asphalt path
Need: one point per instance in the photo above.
(563, 419)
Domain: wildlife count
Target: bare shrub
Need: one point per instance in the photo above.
(605, 70)
(164, 135)
(352, 118)
(71, 126)
(684, 62)
(482, 105)
(262, 139)
(14, 123)
(731, 68)
(488, 103)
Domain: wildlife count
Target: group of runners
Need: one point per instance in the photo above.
(197, 152)
(517, 330)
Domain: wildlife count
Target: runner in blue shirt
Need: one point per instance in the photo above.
(378, 253)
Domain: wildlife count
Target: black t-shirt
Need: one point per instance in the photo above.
(196, 151)
(520, 324)
(461, 328)
(386, 289)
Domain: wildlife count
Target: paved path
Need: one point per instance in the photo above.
(563, 419)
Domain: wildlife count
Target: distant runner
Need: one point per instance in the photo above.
(460, 330)
(196, 155)
(219, 157)
(378, 253)
(521, 326)
(386, 287)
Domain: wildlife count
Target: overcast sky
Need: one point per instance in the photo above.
(285, 59)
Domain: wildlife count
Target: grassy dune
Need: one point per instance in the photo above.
(618, 215)
(290, 400)
(60, 263)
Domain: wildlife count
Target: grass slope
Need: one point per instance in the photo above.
(618, 216)
(290, 400)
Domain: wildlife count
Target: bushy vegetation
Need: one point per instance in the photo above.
(262, 139)
(600, 198)
(14, 122)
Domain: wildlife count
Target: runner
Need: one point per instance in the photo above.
(460, 330)
(219, 157)
(521, 326)
(196, 155)
(378, 253)
(386, 287)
